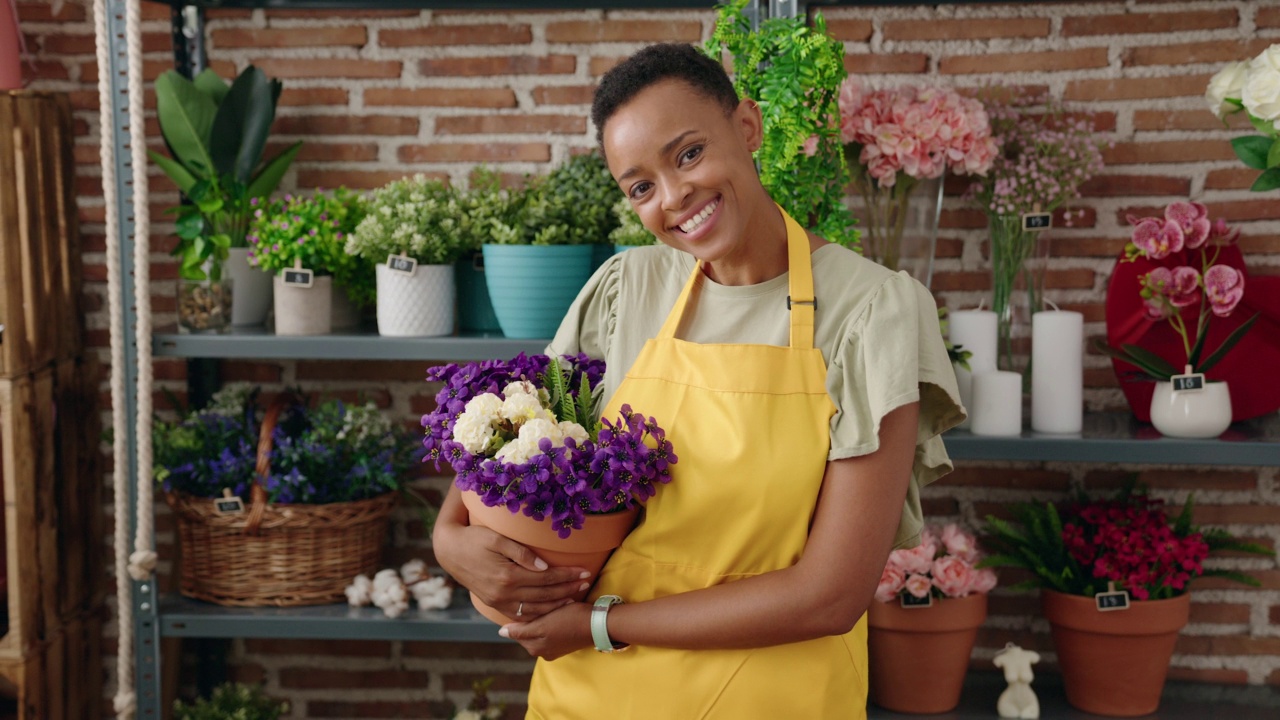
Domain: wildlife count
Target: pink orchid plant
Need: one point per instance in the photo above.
(943, 564)
(1189, 289)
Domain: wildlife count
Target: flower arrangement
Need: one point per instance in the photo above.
(232, 700)
(1128, 540)
(390, 590)
(314, 230)
(894, 138)
(418, 216)
(1188, 288)
(942, 565)
(1046, 154)
(630, 231)
(1253, 87)
(523, 434)
(333, 452)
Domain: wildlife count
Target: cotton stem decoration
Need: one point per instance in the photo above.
(391, 590)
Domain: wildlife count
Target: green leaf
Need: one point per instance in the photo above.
(1266, 127)
(1150, 360)
(1269, 180)
(191, 226)
(186, 119)
(1235, 575)
(1273, 155)
(268, 178)
(1227, 344)
(211, 84)
(1252, 150)
(241, 125)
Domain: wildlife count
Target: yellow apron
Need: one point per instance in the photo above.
(750, 424)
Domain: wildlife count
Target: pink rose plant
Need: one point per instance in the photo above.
(1188, 289)
(943, 564)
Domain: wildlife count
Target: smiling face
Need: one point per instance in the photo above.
(686, 166)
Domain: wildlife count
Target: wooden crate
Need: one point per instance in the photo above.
(39, 238)
(62, 678)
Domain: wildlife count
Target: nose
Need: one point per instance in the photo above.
(675, 193)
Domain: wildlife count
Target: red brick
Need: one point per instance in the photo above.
(1267, 17)
(467, 651)
(342, 36)
(75, 44)
(350, 648)
(1237, 178)
(228, 14)
(1216, 676)
(939, 507)
(51, 71)
(850, 30)
(960, 281)
(387, 371)
(355, 179)
(249, 674)
(594, 31)
(1270, 580)
(598, 66)
(294, 68)
(997, 638)
(1186, 120)
(378, 708)
(886, 63)
(1131, 185)
(564, 94)
(169, 369)
(1154, 22)
(250, 372)
(1080, 58)
(1137, 88)
(1022, 604)
(1007, 478)
(353, 14)
(475, 152)
(1274, 615)
(966, 219)
(441, 97)
(948, 248)
(1260, 244)
(322, 678)
(1237, 514)
(346, 125)
(504, 682)
(1175, 479)
(151, 69)
(1258, 209)
(295, 97)
(43, 12)
(966, 29)
(1102, 378)
(1168, 151)
(313, 151)
(486, 34)
(498, 65)
(1226, 645)
(511, 124)
(1215, 51)
(1070, 279)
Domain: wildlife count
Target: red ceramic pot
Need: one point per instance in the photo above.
(919, 656)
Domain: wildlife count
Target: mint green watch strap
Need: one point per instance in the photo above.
(599, 626)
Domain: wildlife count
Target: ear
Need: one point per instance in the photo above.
(746, 118)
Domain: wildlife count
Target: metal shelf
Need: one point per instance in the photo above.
(361, 344)
(510, 5)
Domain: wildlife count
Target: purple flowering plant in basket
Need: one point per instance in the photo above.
(523, 433)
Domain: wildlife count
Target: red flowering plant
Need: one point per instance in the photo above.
(1129, 541)
(942, 565)
(1188, 287)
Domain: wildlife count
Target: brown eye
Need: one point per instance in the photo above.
(691, 154)
(638, 189)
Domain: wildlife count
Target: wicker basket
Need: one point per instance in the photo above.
(277, 555)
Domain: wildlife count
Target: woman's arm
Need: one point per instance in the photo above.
(500, 571)
(824, 593)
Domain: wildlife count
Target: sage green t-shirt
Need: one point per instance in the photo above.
(877, 330)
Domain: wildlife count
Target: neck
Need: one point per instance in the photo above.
(761, 257)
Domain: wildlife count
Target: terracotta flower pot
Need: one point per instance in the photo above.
(1114, 663)
(587, 548)
(906, 645)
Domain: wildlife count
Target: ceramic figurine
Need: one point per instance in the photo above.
(1018, 700)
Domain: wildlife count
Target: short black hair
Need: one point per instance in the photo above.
(678, 61)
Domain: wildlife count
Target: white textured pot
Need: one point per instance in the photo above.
(250, 289)
(304, 311)
(418, 305)
(1204, 413)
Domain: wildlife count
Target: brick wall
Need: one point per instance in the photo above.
(380, 94)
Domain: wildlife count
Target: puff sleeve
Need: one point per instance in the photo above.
(589, 324)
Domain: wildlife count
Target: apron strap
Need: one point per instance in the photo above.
(800, 301)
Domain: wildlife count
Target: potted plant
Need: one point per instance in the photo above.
(930, 602)
(300, 240)
(630, 232)
(232, 701)
(485, 206)
(1175, 265)
(216, 135)
(411, 232)
(1250, 87)
(542, 248)
(281, 507)
(793, 70)
(1114, 576)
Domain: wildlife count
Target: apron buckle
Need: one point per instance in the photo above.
(812, 303)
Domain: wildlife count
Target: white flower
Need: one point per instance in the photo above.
(386, 579)
(519, 387)
(358, 591)
(1261, 91)
(413, 571)
(433, 594)
(1226, 84)
(536, 429)
(488, 404)
(575, 431)
(473, 431)
(516, 452)
(523, 408)
(468, 715)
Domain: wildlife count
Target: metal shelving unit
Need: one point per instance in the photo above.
(1107, 438)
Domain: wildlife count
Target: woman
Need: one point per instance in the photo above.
(805, 424)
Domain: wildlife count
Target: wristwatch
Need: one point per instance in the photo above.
(599, 626)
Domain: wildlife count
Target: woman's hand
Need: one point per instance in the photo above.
(502, 573)
(556, 634)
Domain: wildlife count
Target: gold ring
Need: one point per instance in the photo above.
(520, 610)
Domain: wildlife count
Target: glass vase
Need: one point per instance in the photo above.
(204, 306)
(899, 224)
(1018, 261)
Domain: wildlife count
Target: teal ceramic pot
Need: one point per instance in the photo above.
(475, 311)
(532, 286)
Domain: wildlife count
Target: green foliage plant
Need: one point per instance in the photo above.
(231, 701)
(794, 72)
(571, 205)
(630, 231)
(418, 216)
(489, 210)
(216, 135)
(314, 230)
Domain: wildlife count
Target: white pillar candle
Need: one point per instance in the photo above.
(975, 331)
(1057, 371)
(997, 403)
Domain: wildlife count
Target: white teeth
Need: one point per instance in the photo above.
(692, 223)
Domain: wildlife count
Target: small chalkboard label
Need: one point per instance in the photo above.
(402, 264)
(1190, 382)
(1112, 599)
(298, 277)
(1034, 221)
(907, 600)
(228, 505)
(477, 262)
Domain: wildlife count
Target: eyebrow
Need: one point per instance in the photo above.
(671, 144)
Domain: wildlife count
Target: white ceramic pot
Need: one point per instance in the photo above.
(250, 288)
(1203, 413)
(304, 311)
(418, 305)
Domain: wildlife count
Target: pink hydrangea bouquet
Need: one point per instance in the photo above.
(1188, 288)
(1253, 87)
(522, 434)
(894, 138)
(942, 565)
